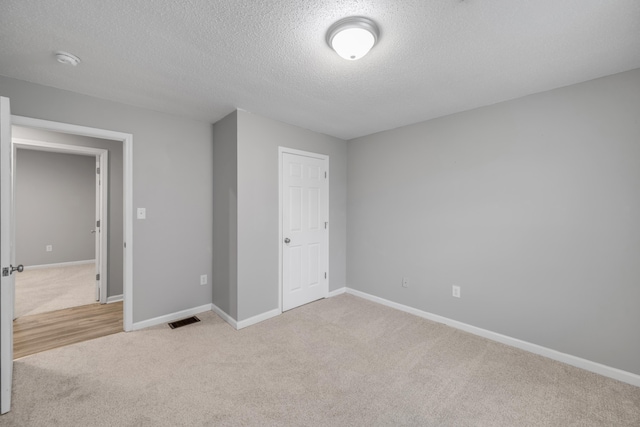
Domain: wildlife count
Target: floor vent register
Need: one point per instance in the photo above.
(183, 322)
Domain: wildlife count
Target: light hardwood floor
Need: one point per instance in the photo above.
(45, 331)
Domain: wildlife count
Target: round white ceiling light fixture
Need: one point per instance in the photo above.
(67, 58)
(353, 37)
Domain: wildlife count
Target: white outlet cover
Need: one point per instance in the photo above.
(455, 291)
(203, 279)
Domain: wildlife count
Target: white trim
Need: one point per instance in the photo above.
(102, 196)
(171, 317)
(59, 264)
(337, 292)
(114, 298)
(588, 365)
(54, 147)
(325, 158)
(258, 318)
(127, 151)
(230, 320)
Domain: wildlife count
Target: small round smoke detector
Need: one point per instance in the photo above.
(67, 58)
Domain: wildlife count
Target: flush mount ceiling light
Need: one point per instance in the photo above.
(353, 37)
(67, 58)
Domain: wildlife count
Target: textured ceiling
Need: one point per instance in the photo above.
(204, 58)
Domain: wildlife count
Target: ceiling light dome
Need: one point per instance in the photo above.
(67, 58)
(353, 37)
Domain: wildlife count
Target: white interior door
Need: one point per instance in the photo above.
(7, 258)
(102, 224)
(305, 234)
(97, 229)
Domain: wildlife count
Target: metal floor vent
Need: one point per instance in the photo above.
(183, 322)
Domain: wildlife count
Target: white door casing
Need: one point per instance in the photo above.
(304, 199)
(7, 257)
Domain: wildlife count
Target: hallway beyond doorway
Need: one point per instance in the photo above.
(54, 288)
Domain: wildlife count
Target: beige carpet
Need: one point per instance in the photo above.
(343, 361)
(48, 289)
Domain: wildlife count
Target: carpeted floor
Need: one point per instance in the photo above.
(342, 361)
(48, 289)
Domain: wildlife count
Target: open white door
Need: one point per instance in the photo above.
(97, 231)
(7, 258)
(102, 221)
(304, 196)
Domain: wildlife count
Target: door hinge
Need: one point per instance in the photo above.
(5, 271)
(98, 171)
(98, 223)
(97, 277)
(325, 175)
(326, 224)
(325, 274)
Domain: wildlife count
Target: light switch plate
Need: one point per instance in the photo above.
(142, 213)
(455, 291)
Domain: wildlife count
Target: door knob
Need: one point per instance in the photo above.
(9, 270)
(287, 240)
(93, 231)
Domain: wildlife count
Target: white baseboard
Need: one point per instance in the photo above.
(247, 322)
(588, 365)
(114, 298)
(337, 292)
(259, 318)
(230, 320)
(60, 264)
(171, 317)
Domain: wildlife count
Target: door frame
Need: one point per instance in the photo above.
(127, 153)
(102, 156)
(281, 151)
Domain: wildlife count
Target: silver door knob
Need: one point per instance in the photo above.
(6, 271)
(93, 231)
(287, 240)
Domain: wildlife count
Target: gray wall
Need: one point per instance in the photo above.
(54, 205)
(258, 209)
(531, 206)
(115, 238)
(172, 178)
(225, 211)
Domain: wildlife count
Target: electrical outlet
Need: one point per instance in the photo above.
(49, 248)
(203, 279)
(405, 282)
(455, 290)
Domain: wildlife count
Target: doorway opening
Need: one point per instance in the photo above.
(120, 247)
(62, 223)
